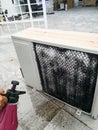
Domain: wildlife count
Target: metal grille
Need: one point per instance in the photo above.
(16, 15)
(68, 75)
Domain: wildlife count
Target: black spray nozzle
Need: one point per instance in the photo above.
(13, 94)
(14, 84)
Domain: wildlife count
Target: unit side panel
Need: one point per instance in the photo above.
(26, 58)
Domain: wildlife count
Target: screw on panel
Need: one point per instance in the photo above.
(78, 112)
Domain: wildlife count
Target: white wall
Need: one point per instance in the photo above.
(12, 10)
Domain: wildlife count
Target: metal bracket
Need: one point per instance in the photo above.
(78, 112)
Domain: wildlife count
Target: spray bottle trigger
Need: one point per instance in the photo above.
(4, 95)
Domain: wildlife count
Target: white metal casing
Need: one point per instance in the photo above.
(23, 43)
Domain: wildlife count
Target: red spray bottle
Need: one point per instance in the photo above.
(8, 115)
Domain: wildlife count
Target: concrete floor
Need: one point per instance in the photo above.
(82, 19)
(37, 111)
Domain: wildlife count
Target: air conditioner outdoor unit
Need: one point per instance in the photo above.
(62, 64)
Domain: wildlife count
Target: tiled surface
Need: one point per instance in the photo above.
(64, 121)
(84, 118)
(37, 111)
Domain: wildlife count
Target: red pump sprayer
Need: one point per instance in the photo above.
(8, 115)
